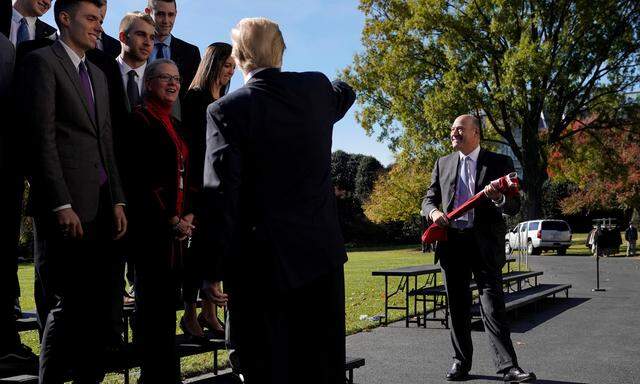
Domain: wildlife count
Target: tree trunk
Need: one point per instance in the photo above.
(534, 173)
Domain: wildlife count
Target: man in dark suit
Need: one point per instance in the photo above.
(185, 55)
(106, 43)
(76, 193)
(14, 356)
(124, 77)
(475, 246)
(25, 22)
(22, 27)
(275, 134)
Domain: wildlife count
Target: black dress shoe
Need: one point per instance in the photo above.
(457, 372)
(517, 375)
(18, 361)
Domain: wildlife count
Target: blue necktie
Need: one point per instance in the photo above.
(23, 31)
(160, 53)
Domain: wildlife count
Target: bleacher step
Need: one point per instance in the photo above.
(24, 379)
(515, 300)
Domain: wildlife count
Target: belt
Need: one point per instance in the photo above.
(461, 231)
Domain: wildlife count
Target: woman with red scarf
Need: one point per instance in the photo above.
(156, 160)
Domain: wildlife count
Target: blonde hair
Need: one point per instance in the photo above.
(131, 17)
(257, 43)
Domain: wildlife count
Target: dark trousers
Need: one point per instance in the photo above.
(11, 206)
(156, 287)
(295, 336)
(76, 279)
(459, 262)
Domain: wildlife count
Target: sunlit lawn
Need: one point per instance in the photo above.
(364, 294)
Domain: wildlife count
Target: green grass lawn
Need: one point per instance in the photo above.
(364, 293)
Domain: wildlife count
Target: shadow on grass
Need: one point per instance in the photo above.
(539, 381)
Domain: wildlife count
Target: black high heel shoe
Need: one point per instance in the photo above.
(202, 340)
(216, 333)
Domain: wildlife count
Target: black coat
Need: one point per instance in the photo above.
(488, 222)
(118, 101)
(112, 47)
(284, 230)
(149, 174)
(187, 58)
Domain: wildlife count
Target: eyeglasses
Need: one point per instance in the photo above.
(166, 78)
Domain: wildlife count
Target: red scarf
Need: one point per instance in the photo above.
(162, 112)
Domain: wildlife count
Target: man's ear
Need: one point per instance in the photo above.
(147, 10)
(65, 18)
(122, 36)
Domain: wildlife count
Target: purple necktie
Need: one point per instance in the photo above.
(85, 82)
(464, 193)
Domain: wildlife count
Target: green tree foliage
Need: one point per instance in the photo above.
(366, 175)
(397, 195)
(427, 61)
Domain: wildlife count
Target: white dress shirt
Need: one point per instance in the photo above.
(15, 24)
(124, 73)
(249, 75)
(473, 167)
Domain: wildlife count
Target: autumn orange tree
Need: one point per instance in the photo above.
(603, 164)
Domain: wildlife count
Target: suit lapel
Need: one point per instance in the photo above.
(43, 30)
(71, 71)
(175, 51)
(97, 95)
(451, 178)
(481, 169)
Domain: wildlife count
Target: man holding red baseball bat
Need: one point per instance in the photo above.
(475, 246)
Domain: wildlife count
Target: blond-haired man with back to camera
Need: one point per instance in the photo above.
(274, 136)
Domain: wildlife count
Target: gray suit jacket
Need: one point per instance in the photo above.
(489, 225)
(7, 62)
(66, 145)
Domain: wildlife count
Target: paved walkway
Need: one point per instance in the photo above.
(592, 337)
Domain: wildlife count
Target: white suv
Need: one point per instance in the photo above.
(539, 235)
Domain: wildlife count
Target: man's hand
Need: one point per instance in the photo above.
(213, 292)
(120, 220)
(440, 218)
(69, 223)
(491, 192)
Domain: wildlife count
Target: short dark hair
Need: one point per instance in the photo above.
(70, 6)
(152, 3)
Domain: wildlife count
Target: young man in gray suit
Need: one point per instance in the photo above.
(76, 194)
(475, 246)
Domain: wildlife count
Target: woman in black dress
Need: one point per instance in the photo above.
(210, 83)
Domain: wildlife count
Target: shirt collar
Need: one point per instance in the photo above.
(166, 41)
(473, 155)
(16, 16)
(75, 59)
(125, 68)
